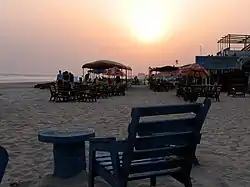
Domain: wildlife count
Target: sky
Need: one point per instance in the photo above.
(41, 37)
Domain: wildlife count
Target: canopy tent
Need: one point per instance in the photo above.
(185, 66)
(193, 70)
(164, 69)
(168, 74)
(97, 71)
(105, 64)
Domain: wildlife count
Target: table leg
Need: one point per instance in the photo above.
(69, 159)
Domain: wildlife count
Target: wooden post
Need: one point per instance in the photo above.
(126, 77)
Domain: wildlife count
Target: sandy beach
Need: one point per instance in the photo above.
(224, 150)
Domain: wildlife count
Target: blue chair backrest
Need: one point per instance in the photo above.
(4, 158)
(168, 137)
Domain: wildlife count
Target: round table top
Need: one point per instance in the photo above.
(66, 136)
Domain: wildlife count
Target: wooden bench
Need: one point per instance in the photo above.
(4, 158)
(152, 148)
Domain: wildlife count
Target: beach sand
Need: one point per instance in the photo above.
(223, 153)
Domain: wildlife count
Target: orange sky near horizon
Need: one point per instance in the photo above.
(40, 37)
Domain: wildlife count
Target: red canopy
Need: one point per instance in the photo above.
(194, 70)
(114, 72)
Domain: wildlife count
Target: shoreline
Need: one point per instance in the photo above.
(21, 84)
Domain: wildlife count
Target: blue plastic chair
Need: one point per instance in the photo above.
(4, 158)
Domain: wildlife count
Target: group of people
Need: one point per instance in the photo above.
(69, 77)
(65, 76)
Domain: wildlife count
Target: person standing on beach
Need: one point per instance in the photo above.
(59, 75)
(66, 76)
(87, 77)
(71, 77)
(117, 79)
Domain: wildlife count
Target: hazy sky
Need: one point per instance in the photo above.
(42, 36)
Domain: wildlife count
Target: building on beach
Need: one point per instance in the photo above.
(226, 67)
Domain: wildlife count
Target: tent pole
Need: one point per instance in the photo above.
(126, 77)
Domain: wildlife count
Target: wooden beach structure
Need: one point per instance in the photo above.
(226, 67)
(107, 64)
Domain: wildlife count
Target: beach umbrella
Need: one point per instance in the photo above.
(105, 64)
(168, 73)
(194, 70)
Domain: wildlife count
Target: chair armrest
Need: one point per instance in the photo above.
(121, 145)
(102, 144)
(108, 139)
(108, 144)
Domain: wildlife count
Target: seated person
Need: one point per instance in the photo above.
(117, 79)
(87, 77)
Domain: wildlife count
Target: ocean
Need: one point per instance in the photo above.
(22, 78)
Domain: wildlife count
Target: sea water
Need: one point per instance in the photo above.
(22, 78)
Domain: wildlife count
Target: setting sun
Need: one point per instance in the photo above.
(150, 20)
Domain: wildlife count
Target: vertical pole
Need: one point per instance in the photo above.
(126, 77)
(223, 45)
(220, 47)
(245, 42)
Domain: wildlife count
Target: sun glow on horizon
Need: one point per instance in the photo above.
(150, 20)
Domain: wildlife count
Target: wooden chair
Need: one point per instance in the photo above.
(63, 91)
(214, 93)
(80, 90)
(237, 90)
(190, 95)
(106, 90)
(4, 158)
(101, 91)
(122, 89)
(88, 94)
(53, 93)
(56, 94)
(154, 148)
(180, 91)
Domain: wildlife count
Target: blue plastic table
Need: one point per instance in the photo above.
(68, 149)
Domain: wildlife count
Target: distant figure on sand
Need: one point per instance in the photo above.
(87, 77)
(66, 76)
(76, 79)
(117, 79)
(109, 81)
(71, 77)
(59, 75)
